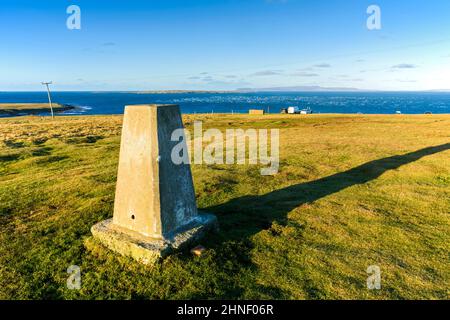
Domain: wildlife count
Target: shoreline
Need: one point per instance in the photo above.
(60, 114)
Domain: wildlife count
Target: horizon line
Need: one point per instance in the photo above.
(250, 90)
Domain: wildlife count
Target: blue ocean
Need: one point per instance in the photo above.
(90, 103)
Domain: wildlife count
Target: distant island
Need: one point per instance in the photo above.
(16, 109)
(276, 89)
(251, 90)
(299, 89)
(179, 91)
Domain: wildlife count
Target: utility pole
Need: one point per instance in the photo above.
(49, 97)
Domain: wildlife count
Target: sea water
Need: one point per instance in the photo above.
(320, 102)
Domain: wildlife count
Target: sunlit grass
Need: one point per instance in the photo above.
(341, 202)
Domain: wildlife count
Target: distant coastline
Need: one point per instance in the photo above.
(179, 91)
(252, 90)
(294, 89)
(17, 109)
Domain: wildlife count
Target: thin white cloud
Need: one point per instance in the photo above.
(304, 74)
(322, 65)
(407, 81)
(208, 79)
(266, 73)
(346, 77)
(404, 66)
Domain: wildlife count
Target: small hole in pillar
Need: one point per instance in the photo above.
(132, 217)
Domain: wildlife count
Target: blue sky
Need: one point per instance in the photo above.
(199, 44)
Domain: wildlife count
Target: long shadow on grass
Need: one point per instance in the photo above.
(245, 216)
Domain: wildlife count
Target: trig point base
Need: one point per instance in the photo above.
(155, 211)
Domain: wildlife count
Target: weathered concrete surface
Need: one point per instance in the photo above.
(155, 209)
(147, 250)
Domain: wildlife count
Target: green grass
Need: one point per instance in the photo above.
(22, 106)
(352, 191)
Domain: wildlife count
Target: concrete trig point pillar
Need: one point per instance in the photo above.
(155, 210)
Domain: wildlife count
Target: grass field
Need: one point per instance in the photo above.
(352, 191)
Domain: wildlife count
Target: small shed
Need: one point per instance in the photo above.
(256, 111)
